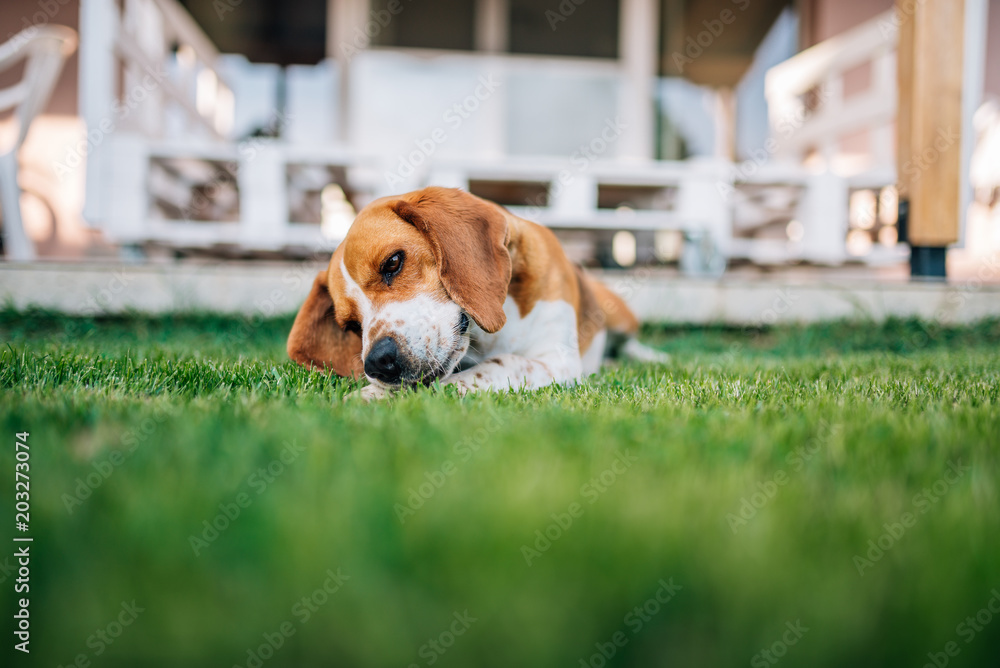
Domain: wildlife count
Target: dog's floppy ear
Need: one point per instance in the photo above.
(316, 341)
(468, 237)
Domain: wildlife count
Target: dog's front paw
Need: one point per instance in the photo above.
(461, 385)
(370, 393)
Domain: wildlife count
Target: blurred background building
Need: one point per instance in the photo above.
(699, 135)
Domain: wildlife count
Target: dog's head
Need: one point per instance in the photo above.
(396, 299)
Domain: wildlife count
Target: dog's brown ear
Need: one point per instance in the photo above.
(316, 341)
(468, 237)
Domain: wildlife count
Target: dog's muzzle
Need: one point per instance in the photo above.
(383, 362)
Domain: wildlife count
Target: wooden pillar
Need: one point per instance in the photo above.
(929, 127)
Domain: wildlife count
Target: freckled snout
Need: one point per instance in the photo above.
(383, 362)
(415, 342)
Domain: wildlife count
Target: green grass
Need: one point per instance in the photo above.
(839, 427)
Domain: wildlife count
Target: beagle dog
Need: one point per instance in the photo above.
(440, 285)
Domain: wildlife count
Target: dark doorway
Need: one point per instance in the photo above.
(290, 32)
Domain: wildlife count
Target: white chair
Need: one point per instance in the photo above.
(45, 49)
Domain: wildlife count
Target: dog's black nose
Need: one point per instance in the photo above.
(382, 362)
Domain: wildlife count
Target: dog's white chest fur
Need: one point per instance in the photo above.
(549, 326)
(528, 352)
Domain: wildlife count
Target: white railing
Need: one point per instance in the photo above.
(832, 109)
(147, 72)
(165, 168)
(43, 51)
(603, 195)
(711, 202)
(148, 67)
(163, 164)
(819, 105)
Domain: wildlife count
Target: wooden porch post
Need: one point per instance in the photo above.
(932, 76)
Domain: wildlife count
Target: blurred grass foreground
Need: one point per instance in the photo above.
(819, 496)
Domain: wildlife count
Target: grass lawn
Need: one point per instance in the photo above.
(818, 496)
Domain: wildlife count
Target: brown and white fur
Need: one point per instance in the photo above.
(536, 318)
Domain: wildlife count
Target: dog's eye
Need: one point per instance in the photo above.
(353, 326)
(392, 266)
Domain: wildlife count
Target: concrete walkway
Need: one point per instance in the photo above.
(265, 289)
